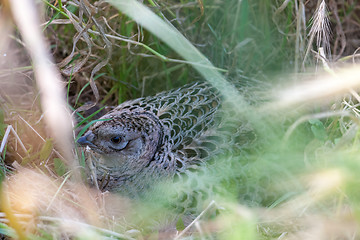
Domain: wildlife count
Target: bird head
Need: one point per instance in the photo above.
(124, 136)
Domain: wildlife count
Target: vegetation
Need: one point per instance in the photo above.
(296, 63)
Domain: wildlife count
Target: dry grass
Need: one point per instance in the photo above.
(308, 131)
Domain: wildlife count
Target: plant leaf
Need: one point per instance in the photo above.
(46, 150)
(59, 167)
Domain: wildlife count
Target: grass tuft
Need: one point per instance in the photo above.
(299, 181)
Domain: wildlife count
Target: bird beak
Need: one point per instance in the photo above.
(86, 139)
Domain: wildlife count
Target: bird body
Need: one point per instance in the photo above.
(169, 136)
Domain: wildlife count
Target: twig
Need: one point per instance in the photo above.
(5, 138)
(81, 224)
(57, 153)
(195, 220)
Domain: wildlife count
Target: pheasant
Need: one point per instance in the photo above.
(173, 136)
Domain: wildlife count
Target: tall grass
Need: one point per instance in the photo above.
(300, 179)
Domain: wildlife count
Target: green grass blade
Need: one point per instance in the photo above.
(172, 37)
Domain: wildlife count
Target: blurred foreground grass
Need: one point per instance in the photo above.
(303, 171)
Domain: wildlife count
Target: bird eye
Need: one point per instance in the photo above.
(116, 139)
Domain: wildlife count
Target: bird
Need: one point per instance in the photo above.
(174, 136)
